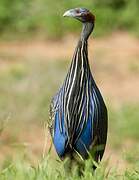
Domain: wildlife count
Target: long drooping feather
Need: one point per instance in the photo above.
(78, 115)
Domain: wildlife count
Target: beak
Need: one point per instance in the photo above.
(69, 13)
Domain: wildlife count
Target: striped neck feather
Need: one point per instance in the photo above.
(76, 86)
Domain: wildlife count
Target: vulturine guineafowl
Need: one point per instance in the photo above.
(78, 115)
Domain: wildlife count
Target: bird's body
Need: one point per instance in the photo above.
(78, 115)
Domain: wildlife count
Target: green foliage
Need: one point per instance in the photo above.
(124, 121)
(115, 4)
(44, 17)
(49, 169)
(21, 82)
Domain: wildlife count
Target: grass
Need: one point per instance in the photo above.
(52, 169)
(26, 88)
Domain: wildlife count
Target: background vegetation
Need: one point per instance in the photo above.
(33, 66)
(24, 18)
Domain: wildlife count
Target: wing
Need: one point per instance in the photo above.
(99, 124)
(52, 113)
(92, 135)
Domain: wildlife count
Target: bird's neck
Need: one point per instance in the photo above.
(86, 30)
(82, 52)
(80, 62)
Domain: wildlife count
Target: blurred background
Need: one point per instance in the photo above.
(36, 46)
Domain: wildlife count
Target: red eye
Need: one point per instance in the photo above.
(77, 11)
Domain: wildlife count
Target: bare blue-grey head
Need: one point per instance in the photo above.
(86, 17)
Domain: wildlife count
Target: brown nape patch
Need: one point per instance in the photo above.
(90, 17)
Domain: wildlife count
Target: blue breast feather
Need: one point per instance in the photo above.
(83, 142)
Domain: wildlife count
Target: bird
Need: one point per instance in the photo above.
(78, 118)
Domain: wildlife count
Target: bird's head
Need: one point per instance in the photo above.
(82, 14)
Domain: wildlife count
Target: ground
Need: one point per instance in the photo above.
(114, 63)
